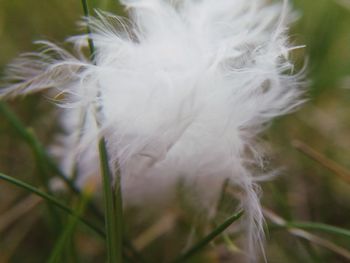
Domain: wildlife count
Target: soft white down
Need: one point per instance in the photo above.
(180, 91)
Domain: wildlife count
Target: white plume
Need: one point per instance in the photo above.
(184, 88)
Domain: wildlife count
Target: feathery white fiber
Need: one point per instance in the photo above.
(183, 88)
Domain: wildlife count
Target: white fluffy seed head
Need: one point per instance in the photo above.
(184, 87)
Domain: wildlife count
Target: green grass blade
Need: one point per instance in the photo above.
(41, 164)
(50, 199)
(206, 240)
(87, 14)
(60, 205)
(34, 143)
(113, 209)
(118, 216)
(320, 227)
(29, 137)
(64, 239)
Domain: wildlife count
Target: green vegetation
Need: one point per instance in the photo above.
(307, 207)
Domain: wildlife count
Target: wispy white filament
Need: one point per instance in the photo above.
(185, 87)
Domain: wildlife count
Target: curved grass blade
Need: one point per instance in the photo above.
(321, 242)
(42, 166)
(206, 240)
(52, 200)
(281, 223)
(34, 143)
(320, 227)
(30, 138)
(113, 209)
(41, 154)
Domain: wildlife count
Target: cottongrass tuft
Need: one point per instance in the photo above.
(184, 88)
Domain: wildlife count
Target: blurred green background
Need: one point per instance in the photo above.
(312, 145)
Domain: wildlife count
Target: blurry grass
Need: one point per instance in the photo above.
(306, 191)
(50, 199)
(64, 242)
(184, 257)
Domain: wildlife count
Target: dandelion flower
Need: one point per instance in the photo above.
(183, 89)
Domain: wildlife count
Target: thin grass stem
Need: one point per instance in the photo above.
(206, 240)
(320, 227)
(51, 199)
(57, 252)
(112, 194)
(332, 166)
(87, 14)
(28, 135)
(281, 223)
(114, 229)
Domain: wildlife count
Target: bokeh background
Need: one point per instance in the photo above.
(311, 147)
